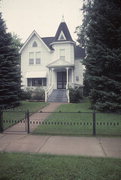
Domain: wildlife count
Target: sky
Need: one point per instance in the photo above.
(44, 16)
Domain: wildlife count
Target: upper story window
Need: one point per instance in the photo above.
(62, 54)
(31, 58)
(38, 60)
(34, 58)
(61, 36)
(34, 44)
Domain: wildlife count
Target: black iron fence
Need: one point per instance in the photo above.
(61, 123)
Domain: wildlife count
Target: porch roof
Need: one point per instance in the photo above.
(60, 63)
(37, 74)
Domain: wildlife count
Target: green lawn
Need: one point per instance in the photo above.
(12, 116)
(20, 166)
(76, 119)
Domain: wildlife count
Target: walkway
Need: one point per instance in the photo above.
(39, 117)
(62, 145)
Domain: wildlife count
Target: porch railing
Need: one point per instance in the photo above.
(48, 92)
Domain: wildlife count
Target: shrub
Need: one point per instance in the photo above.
(25, 94)
(76, 94)
(38, 94)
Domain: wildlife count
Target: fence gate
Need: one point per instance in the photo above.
(13, 121)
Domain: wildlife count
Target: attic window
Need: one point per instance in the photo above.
(61, 36)
(34, 44)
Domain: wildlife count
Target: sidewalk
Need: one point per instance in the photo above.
(62, 145)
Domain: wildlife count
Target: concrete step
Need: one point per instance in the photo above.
(58, 95)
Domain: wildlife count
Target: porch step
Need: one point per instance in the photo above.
(58, 95)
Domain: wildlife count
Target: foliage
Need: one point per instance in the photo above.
(100, 33)
(38, 94)
(25, 95)
(33, 94)
(76, 94)
(9, 69)
(86, 83)
(16, 41)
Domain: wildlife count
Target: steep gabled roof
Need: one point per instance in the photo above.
(48, 41)
(29, 38)
(63, 29)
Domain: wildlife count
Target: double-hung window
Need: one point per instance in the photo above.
(62, 54)
(34, 58)
(38, 60)
(31, 58)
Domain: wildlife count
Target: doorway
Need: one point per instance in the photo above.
(61, 80)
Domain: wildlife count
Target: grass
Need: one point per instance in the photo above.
(12, 116)
(77, 122)
(20, 166)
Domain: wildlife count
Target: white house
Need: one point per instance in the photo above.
(53, 63)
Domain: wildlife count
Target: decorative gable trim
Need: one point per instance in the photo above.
(60, 63)
(29, 38)
(62, 36)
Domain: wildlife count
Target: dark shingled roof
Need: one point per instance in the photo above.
(63, 27)
(48, 41)
(79, 52)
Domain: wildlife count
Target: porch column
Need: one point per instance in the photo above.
(52, 76)
(67, 77)
(49, 77)
(72, 75)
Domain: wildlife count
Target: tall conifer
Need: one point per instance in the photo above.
(101, 35)
(9, 69)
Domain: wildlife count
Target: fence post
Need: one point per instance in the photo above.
(1, 121)
(28, 125)
(94, 123)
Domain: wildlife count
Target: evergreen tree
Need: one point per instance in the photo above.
(101, 35)
(16, 41)
(9, 69)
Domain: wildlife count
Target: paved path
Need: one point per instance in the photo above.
(36, 117)
(62, 145)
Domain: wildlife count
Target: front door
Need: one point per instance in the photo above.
(61, 80)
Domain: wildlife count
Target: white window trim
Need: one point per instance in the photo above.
(34, 58)
(62, 54)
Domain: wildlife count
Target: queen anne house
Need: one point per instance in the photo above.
(52, 63)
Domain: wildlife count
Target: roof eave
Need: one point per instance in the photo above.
(62, 42)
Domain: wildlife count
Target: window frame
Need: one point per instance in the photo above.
(36, 82)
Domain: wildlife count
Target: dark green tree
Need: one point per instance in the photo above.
(9, 69)
(100, 33)
(16, 41)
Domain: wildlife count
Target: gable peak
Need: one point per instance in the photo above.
(63, 20)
